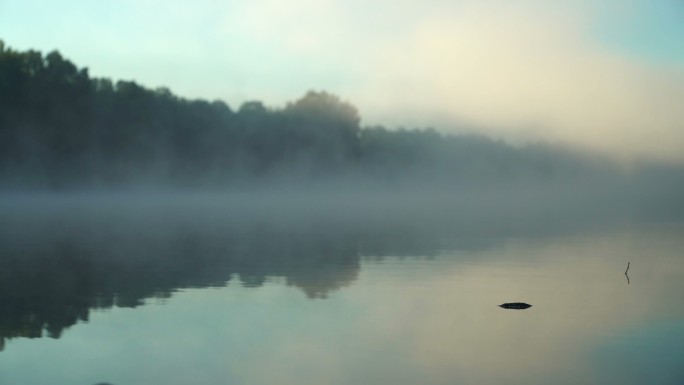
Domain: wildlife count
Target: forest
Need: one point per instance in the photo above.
(61, 129)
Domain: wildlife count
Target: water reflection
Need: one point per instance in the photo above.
(51, 282)
(408, 301)
(57, 265)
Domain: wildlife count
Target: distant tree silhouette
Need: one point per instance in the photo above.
(60, 128)
(330, 125)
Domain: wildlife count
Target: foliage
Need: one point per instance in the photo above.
(61, 128)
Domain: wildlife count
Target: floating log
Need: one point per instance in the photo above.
(515, 305)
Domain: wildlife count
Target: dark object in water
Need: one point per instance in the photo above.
(626, 273)
(515, 305)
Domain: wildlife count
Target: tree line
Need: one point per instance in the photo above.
(62, 128)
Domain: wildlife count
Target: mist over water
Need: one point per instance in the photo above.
(140, 230)
(223, 284)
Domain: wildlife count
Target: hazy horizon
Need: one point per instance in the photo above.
(607, 76)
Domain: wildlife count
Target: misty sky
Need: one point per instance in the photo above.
(608, 74)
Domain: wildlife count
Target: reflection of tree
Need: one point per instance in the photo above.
(52, 280)
(46, 295)
(56, 268)
(318, 265)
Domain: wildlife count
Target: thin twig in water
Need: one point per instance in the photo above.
(626, 273)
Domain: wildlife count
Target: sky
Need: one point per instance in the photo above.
(607, 74)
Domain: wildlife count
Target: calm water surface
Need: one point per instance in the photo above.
(106, 297)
